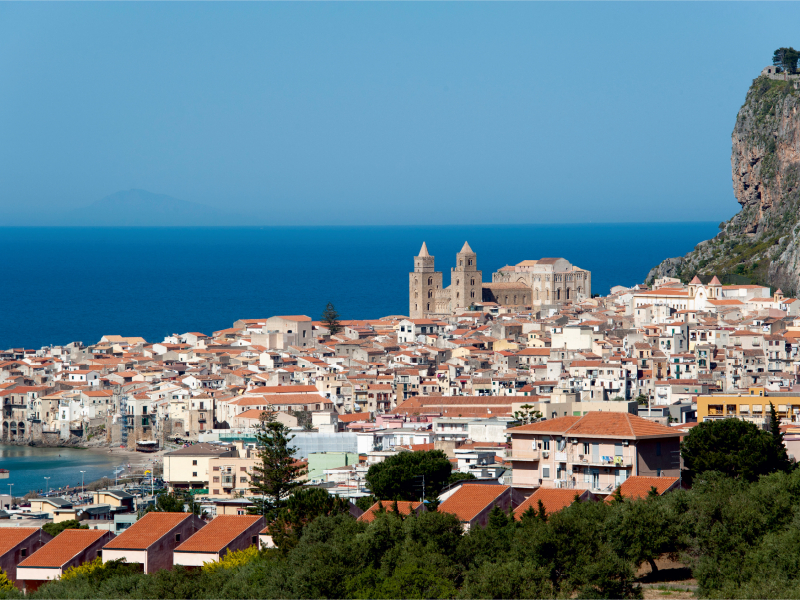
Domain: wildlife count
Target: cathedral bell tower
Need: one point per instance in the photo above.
(423, 283)
(466, 282)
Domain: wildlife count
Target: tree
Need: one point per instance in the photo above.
(55, 528)
(784, 464)
(301, 508)
(402, 477)
(526, 414)
(5, 583)
(174, 502)
(732, 447)
(330, 318)
(786, 58)
(276, 473)
(458, 476)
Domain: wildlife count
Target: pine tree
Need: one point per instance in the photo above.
(542, 513)
(276, 474)
(330, 318)
(781, 457)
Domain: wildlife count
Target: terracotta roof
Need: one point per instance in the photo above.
(596, 423)
(299, 318)
(147, 530)
(13, 536)
(639, 486)
(470, 499)
(62, 548)
(553, 500)
(220, 532)
(404, 507)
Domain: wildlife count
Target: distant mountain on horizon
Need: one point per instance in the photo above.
(140, 208)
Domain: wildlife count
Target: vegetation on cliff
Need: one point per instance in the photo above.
(759, 244)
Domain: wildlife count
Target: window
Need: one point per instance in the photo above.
(242, 479)
(212, 468)
(216, 491)
(586, 449)
(243, 469)
(545, 443)
(23, 552)
(546, 472)
(177, 538)
(216, 480)
(254, 539)
(194, 463)
(194, 474)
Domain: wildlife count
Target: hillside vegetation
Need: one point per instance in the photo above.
(759, 244)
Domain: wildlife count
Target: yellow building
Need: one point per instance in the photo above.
(752, 406)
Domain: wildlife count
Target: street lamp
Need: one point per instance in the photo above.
(82, 490)
(47, 483)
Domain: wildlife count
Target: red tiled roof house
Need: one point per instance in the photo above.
(225, 533)
(553, 500)
(595, 452)
(404, 507)
(151, 540)
(70, 548)
(16, 544)
(473, 502)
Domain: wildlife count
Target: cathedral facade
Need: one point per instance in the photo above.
(529, 284)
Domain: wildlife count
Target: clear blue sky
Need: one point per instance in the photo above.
(395, 113)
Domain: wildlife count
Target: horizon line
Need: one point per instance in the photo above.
(3, 226)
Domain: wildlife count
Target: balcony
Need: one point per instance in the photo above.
(519, 454)
(603, 461)
(228, 481)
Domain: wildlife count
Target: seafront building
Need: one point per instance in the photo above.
(462, 376)
(529, 384)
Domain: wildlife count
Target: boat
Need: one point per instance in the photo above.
(4, 473)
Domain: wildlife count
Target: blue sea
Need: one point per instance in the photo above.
(65, 284)
(29, 466)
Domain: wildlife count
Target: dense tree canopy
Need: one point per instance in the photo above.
(55, 528)
(786, 58)
(733, 447)
(740, 540)
(401, 477)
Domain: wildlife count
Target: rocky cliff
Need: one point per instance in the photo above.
(761, 243)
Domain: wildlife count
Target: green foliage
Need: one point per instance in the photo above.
(458, 476)
(5, 583)
(364, 502)
(86, 568)
(401, 477)
(741, 539)
(735, 448)
(330, 319)
(55, 528)
(526, 414)
(232, 560)
(786, 58)
(276, 474)
(301, 508)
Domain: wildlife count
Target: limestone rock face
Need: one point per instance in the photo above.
(761, 243)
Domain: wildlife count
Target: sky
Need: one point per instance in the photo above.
(382, 113)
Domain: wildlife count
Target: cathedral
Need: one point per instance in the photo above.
(529, 284)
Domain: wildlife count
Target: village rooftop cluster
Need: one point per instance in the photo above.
(544, 395)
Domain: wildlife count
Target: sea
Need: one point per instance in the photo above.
(29, 466)
(60, 285)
